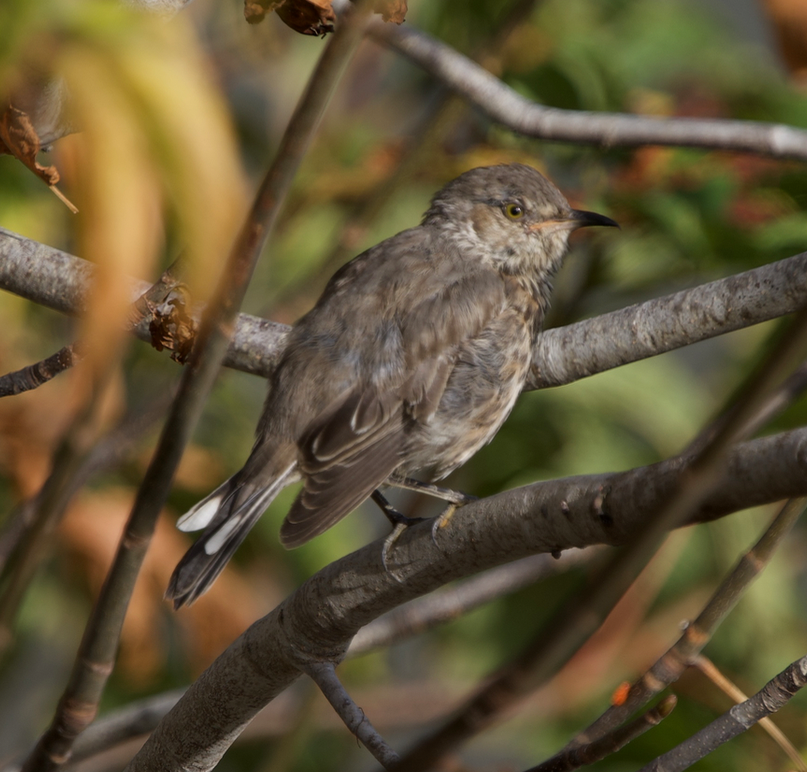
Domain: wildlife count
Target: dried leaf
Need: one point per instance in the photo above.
(310, 17)
(391, 10)
(789, 19)
(172, 327)
(18, 137)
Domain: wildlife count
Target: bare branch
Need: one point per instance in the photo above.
(710, 670)
(324, 614)
(33, 376)
(669, 667)
(60, 281)
(324, 676)
(566, 354)
(776, 693)
(504, 105)
(575, 758)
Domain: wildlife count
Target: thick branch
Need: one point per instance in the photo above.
(504, 105)
(60, 281)
(566, 354)
(323, 615)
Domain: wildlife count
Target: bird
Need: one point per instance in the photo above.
(411, 360)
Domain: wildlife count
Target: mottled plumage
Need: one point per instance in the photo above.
(411, 359)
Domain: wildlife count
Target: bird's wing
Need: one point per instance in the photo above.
(352, 448)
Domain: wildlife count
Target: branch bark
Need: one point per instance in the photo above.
(504, 105)
(61, 281)
(774, 696)
(324, 614)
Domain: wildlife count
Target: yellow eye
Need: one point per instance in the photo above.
(514, 211)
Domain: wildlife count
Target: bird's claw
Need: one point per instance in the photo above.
(441, 521)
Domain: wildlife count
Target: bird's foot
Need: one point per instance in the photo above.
(442, 520)
(400, 522)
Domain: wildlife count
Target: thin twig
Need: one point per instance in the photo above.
(610, 743)
(775, 695)
(324, 676)
(33, 376)
(450, 603)
(669, 667)
(504, 105)
(710, 670)
(569, 628)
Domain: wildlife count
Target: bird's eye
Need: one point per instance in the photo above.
(514, 211)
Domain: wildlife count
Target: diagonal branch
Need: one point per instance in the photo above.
(669, 667)
(709, 669)
(774, 696)
(324, 613)
(610, 743)
(96, 654)
(323, 674)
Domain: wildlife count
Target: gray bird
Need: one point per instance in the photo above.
(412, 359)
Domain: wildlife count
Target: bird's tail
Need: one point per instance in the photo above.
(226, 515)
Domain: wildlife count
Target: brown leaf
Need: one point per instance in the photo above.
(172, 327)
(18, 137)
(789, 19)
(310, 17)
(90, 534)
(391, 10)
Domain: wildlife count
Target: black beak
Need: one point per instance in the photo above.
(583, 219)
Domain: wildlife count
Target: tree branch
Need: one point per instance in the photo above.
(325, 612)
(323, 674)
(60, 281)
(710, 670)
(504, 105)
(776, 693)
(96, 654)
(669, 667)
(566, 354)
(33, 376)
(610, 743)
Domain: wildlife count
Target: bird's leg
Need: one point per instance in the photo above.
(455, 499)
(400, 522)
(458, 498)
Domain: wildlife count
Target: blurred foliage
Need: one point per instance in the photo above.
(156, 139)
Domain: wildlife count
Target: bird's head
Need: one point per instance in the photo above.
(509, 214)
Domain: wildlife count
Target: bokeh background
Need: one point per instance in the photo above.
(390, 138)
